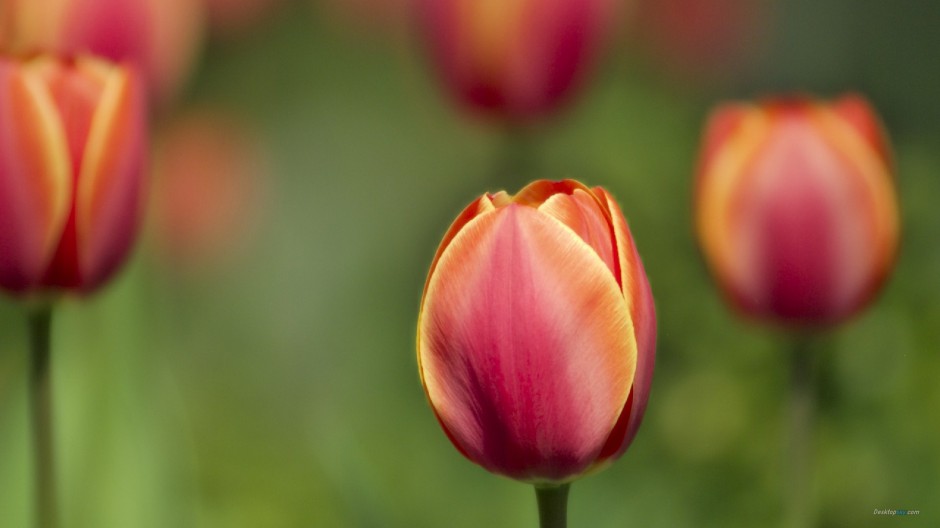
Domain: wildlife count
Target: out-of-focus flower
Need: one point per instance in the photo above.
(161, 37)
(235, 16)
(701, 39)
(210, 168)
(382, 17)
(796, 207)
(537, 332)
(73, 145)
(515, 59)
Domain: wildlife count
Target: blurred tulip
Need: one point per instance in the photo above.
(702, 39)
(208, 190)
(382, 17)
(515, 59)
(235, 16)
(536, 335)
(161, 37)
(797, 211)
(73, 143)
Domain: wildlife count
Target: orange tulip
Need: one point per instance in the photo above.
(796, 207)
(160, 37)
(73, 143)
(515, 59)
(537, 332)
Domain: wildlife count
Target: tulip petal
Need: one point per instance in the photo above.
(858, 114)
(718, 202)
(639, 296)
(583, 215)
(110, 184)
(526, 346)
(35, 180)
(809, 231)
(479, 206)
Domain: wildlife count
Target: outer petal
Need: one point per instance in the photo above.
(855, 111)
(35, 184)
(581, 212)
(526, 346)
(639, 296)
(110, 184)
(718, 198)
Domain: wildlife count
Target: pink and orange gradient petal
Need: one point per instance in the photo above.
(109, 194)
(35, 179)
(639, 298)
(526, 346)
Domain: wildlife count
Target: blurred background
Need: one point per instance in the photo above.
(254, 365)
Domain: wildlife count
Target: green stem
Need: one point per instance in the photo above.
(802, 404)
(553, 505)
(40, 389)
(515, 163)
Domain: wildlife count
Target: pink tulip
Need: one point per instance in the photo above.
(209, 189)
(537, 332)
(797, 210)
(160, 37)
(515, 59)
(73, 142)
(703, 39)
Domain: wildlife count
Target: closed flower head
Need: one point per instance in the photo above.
(796, 208)
(73, 142)
(536, 334)
(514, 59)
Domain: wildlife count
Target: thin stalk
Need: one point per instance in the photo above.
(515, 164)
(553, 505)
(802, 410)
(40, 392)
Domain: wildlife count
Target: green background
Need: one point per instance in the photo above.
(280, 389)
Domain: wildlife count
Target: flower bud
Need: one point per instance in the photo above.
(514, 59)
(160, 37)
(73, 142)
(796, 208)
(537, 332)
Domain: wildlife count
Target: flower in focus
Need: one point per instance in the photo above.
(796, 208)
(209, 173)
(161, 37)
(537, 331)
(73, 143)
(515, 59)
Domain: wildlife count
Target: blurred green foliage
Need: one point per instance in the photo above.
(281, 388)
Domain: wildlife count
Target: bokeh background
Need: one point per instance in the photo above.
(254, 365)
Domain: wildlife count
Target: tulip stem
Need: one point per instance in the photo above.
(515, 164)
(802, 403)
(40, 389)
(553, 505)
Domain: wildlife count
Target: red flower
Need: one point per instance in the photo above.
(73, 142)
(797, 210)
(536, 335)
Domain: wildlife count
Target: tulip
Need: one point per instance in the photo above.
(204, 153)
(796, 208)
(73, 143)
(536, 333)
(160, 37)
(515, 59)
(703, 40)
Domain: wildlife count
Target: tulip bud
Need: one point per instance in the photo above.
(514, 59)
(537, 332)
(73, 140)
(796, 208)
(160, 37)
